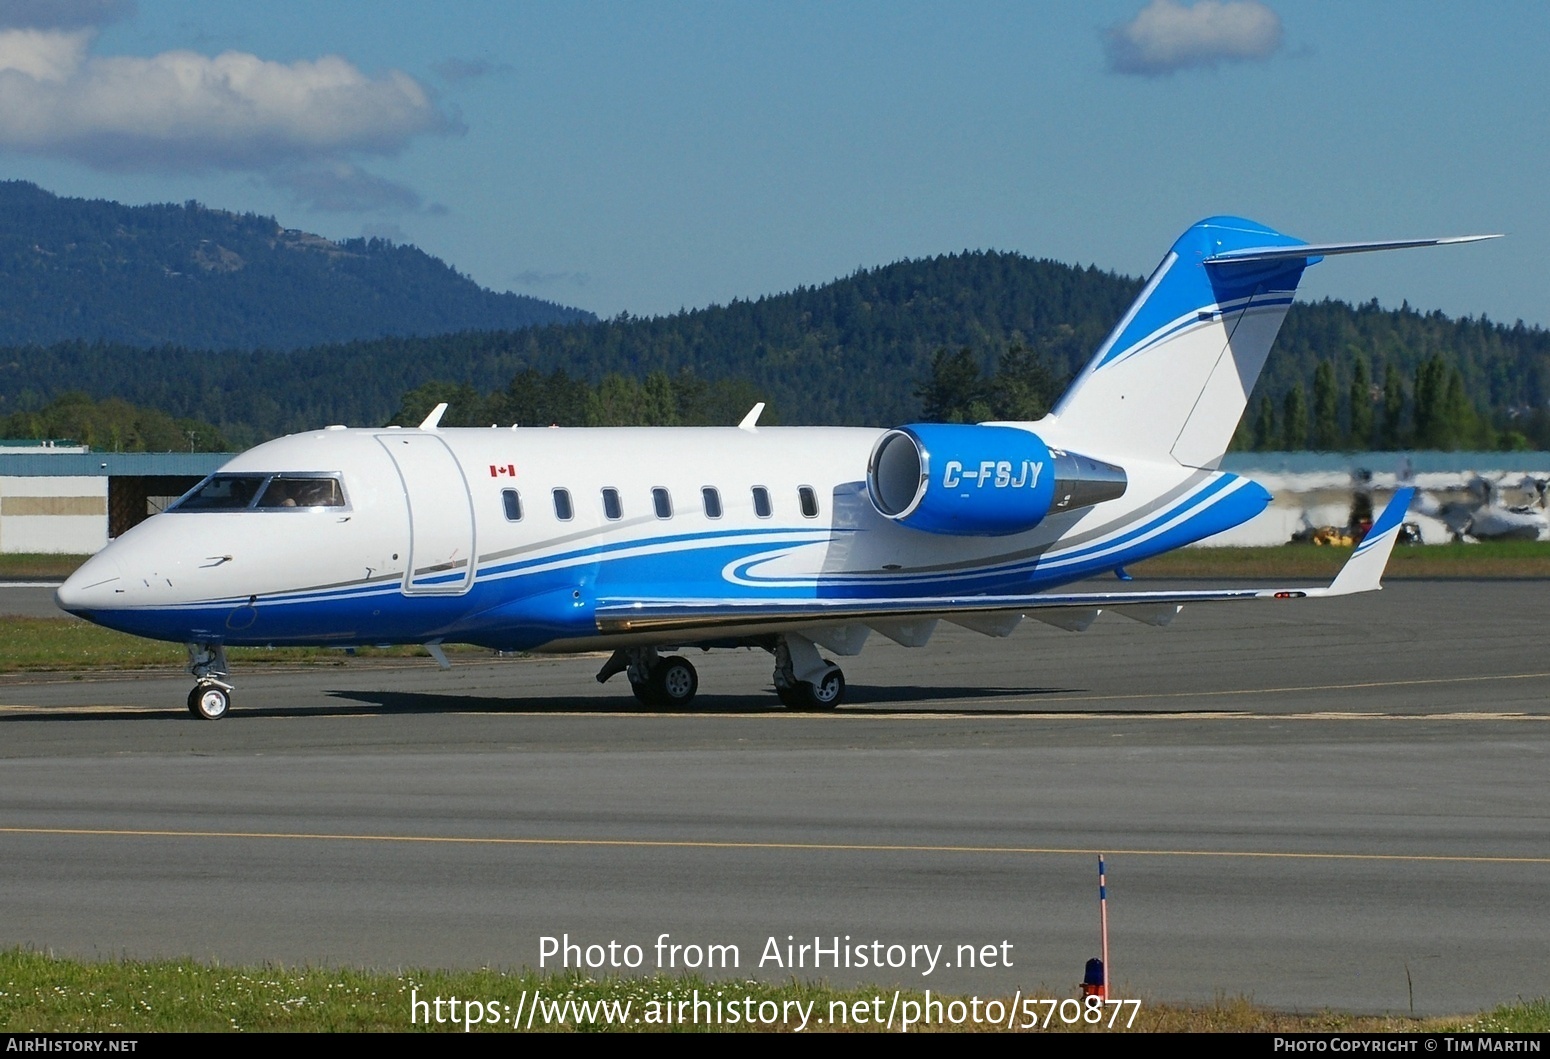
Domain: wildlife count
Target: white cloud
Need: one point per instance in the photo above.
(1167, 36)
(297, 124)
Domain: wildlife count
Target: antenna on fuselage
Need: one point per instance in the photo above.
(433, 421)
(750, 421)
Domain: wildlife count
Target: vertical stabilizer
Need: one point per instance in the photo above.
(1173, 379)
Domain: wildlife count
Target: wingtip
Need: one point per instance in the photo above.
(1363, 572)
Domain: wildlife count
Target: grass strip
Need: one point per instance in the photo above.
(43, 993)
(24, 566)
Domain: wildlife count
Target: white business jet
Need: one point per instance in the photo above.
(799, 540)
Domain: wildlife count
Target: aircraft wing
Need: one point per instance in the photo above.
(1363, 572)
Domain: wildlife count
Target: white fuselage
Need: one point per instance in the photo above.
(423, 547)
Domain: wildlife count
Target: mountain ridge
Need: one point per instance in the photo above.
(189, 275)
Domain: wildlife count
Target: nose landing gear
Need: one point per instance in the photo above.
(210, 699)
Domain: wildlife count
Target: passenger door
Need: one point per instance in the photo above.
(441, 516)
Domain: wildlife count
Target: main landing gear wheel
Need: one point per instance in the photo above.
(657, 682)
(671, 683)
(674, 682)
(825, 693)
(209, 702)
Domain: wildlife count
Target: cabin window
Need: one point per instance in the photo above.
(512, 501)
(761, 502)
(662, 502)
(809, 501)
(562, 505)
(712, 501)
(612, 508)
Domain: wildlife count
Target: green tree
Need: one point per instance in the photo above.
(619, 401)
(1361, 402)
(955, 392)
(1294, 420)
(1393, 407)
(1326, 409)
(533, 399)
(1432, 428)
(659, 404)
(1265, 436)
(1023, 386)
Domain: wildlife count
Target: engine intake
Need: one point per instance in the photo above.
(986, 481)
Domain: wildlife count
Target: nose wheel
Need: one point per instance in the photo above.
(211, 698)
(209, 701)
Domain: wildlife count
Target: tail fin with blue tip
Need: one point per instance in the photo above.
(1172, 380)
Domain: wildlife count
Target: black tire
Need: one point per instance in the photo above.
(674, 682)
(209, 702)
(643, 694)
(827, 692)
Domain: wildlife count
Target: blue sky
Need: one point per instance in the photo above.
(647, 157)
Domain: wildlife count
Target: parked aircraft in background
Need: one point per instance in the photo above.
(1485, 517)
(799, 540)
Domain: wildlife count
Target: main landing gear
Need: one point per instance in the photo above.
(211, 698)
(805, 680)
(665, 683)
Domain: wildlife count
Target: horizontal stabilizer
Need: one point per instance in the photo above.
(1308, 251)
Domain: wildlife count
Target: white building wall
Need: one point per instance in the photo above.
(66, 515)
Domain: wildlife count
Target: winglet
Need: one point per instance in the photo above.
(750, 421)
(1363, 572)
(432, 421)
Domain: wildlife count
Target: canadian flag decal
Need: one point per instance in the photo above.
(510, 470)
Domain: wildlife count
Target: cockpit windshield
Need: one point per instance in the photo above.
(293, 491)
(263, 492)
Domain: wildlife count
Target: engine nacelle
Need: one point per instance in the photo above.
(986, 481)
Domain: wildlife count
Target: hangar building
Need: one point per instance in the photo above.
(58, 497)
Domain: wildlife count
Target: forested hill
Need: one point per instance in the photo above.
(855, 351)
(208, 279)
(851, 351)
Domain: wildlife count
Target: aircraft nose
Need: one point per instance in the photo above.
(92, 587)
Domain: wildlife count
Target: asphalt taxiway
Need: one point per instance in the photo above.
(1314, 803)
